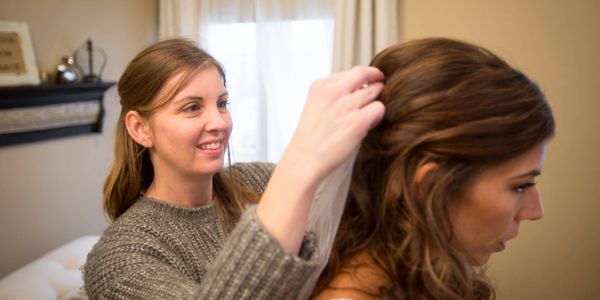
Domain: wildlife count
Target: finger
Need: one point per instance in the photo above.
(356, 77)
(371, 114)
(364, 96)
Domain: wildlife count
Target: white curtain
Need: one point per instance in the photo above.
(178, 18)
(363, 28)
(272, 51)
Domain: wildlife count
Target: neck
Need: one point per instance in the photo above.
(361, 271)
(185, 192)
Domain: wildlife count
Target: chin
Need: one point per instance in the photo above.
(217, 168)
(211, 168)
(479, 260)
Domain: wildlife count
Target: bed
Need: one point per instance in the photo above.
(54, 275)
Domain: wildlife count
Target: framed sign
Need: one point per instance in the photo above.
(17, 60)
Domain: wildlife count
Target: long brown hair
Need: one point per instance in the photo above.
(139, 87)
(448, 102)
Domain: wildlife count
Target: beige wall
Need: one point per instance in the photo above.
(50, 192)
(557, 43)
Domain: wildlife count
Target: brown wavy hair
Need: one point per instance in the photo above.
(139, 86)
(448, 102)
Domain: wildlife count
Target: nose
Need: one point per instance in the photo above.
(216, 120)
(533, 208)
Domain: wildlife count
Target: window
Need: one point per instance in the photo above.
(269, 67)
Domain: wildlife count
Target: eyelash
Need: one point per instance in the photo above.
(221, 104)
(189, 107)
(523, 187)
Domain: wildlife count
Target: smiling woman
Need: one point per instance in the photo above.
(184, 226)
(199, 126)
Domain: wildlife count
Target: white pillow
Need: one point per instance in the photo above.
(55, 275)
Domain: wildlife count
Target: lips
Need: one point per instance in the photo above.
(502, 245)
(211, 145)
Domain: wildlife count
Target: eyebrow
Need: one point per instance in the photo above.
(198, 98)
(530, 173)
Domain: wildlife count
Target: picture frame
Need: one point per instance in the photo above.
(17, 59)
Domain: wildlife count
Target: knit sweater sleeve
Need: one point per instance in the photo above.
(252, 265)
(263, 269)
(129, 263)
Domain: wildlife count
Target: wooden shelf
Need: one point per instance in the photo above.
(39, 112)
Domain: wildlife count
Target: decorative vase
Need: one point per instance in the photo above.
(67, 71)
(91, 61)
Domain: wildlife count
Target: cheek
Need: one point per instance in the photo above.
(494, 208)
(229, 124)
(497, 222)
(486, 216)
(172, 134)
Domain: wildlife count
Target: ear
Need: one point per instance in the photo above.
(138, 129)
(422, 171)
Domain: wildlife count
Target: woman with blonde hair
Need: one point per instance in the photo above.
(445, 178)
(183, 226)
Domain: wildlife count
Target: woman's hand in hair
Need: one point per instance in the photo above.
(338, 113)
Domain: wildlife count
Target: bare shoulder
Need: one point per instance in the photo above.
(358, 280)
(345, 288)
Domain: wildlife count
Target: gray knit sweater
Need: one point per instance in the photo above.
(160, 251)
